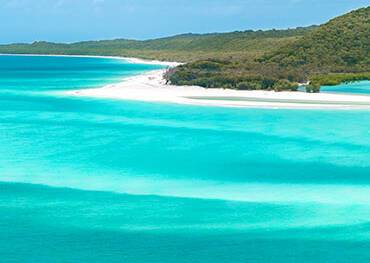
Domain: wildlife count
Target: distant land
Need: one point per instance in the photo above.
(332, 53)
(275, 59)
(181, 48)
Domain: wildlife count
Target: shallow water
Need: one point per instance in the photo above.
(359, 87)
(90, 180)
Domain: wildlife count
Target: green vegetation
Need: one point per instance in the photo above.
(269, 60)
(232, 74)
(335, 79)
(183, 48)
(340, 46)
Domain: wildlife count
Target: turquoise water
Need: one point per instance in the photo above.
(90, 180)
(360, 87)
(38, 73)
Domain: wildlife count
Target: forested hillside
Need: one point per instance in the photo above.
(341, 45)
(275, 59)
(184, 48)
(334, 52)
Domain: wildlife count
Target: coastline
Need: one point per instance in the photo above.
(151, 87)
(128, 59)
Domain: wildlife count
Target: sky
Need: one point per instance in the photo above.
(77, 20)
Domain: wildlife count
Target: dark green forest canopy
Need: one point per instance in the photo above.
(341, 45)
(330, 54)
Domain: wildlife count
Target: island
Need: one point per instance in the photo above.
(243, 68)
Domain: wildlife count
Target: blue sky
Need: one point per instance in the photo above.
(75, 20)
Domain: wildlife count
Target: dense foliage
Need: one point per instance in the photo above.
(340, 46)
(184, 48)
(337, 78)
(249, 60)
(232, 74)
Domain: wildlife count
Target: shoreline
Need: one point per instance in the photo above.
(151, 87)
(129, 59)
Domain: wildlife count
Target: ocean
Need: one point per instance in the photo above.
(97, 180)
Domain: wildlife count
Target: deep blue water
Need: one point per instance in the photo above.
(90, 180)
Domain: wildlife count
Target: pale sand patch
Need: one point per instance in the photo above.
(152, 87)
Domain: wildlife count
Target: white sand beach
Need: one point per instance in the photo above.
(151, 86)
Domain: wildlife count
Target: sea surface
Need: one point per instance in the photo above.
(92, 180)
(359, 87)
